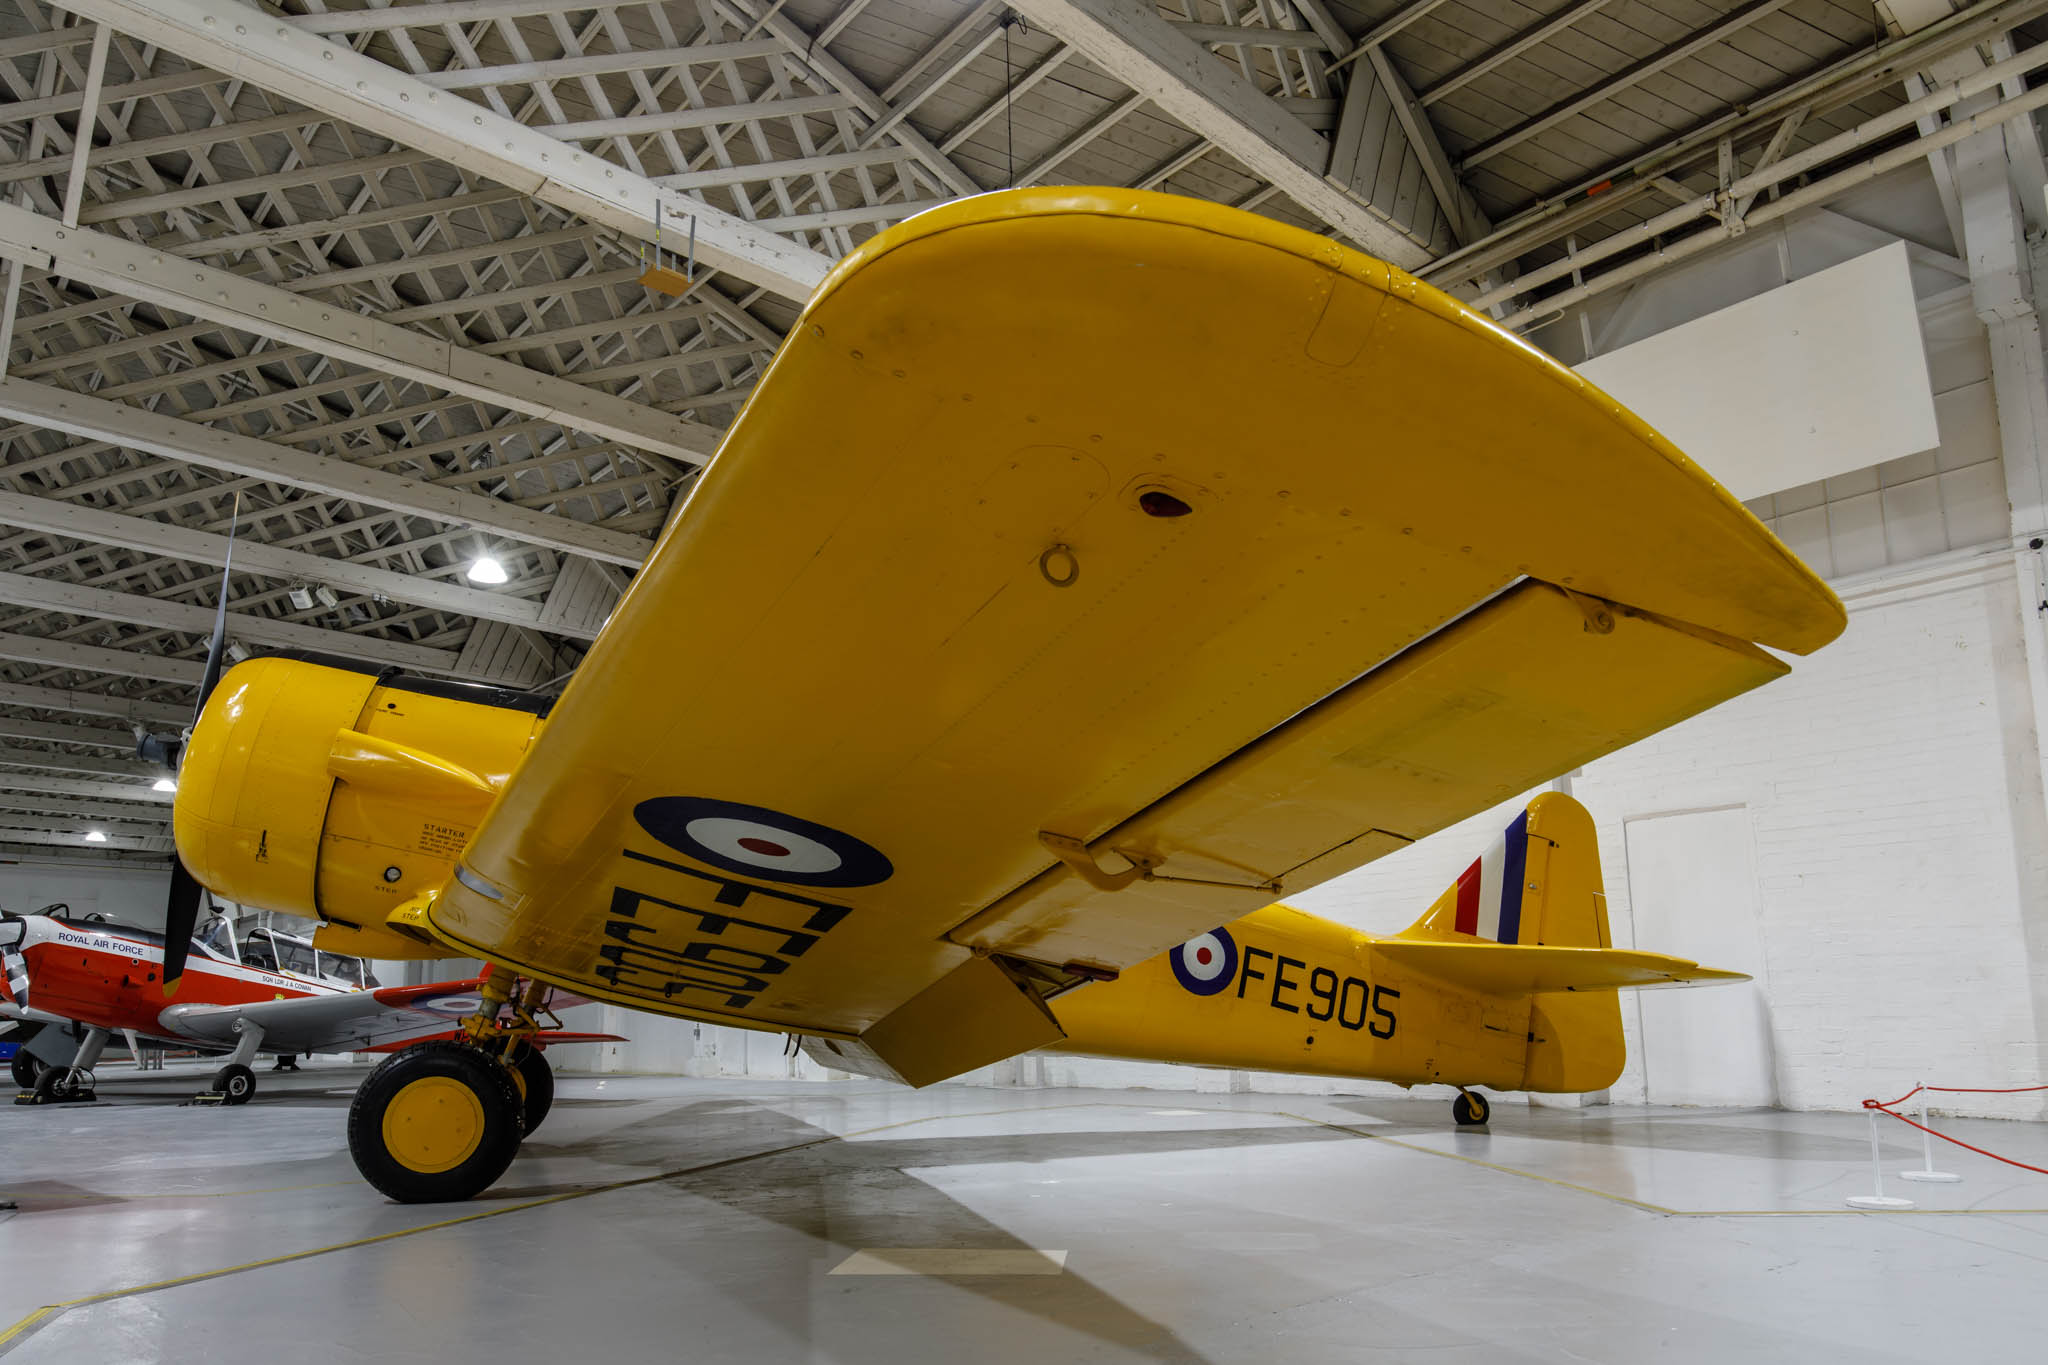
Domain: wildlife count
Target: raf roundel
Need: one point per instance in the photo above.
(753, 841)
(1207, 963)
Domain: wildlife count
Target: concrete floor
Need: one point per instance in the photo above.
(669, 1219)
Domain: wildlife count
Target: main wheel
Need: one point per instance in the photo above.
(539, 1086)
(234, 1083)
(439, 1121)
(27, 1070)
(1470, 1109)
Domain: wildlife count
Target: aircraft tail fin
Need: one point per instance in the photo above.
(1538, 883)
(1529, 917)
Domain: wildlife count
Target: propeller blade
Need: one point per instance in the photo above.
(181, 917)
(214, 649)
(12, 963)
(17, 976)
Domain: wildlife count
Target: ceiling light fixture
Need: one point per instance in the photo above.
(301, 596)
(95, 836)
(486, 569)
(163, 784)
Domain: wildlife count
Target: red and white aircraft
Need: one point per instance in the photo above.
(107, 977)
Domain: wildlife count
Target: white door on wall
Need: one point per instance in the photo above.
(1692, 892)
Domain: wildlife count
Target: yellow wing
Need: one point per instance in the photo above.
(1078, 520)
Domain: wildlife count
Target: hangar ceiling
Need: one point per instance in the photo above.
(369, 272)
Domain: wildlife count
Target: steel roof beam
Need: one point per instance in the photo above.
(1621, 81)
(1863, 72)
(110, 841)
(836, 74)
(1771, 173)
(1133, 43)
(131, 270)
(76, 599)
(50, 761)
(124, 663)
(12, 823)
(78, 786)
(1806, 196)
(99, 419)
(14, 727)
(52, 857)
(135, 712)
(1511, 49)
(79, 522)
(245, 44)
(81, 809)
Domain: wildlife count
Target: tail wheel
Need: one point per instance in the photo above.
(234, 1083)
(538, 1084)
(27, 1070)
(437, 1122)
(1470, 1109)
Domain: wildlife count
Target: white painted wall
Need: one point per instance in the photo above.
(131, 894)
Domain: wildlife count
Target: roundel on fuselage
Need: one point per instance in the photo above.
(753, 841)
(1207, 963)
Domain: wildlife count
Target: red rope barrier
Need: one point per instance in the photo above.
(1886, 1107)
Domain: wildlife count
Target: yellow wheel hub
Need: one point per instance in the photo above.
(433, 1124)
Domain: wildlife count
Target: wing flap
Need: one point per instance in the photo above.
(1534, 683)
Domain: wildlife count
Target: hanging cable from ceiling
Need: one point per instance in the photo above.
(1011, 19)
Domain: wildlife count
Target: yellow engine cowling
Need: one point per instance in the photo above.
(316, 789)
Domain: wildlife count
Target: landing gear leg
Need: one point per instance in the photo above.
(71, 1084)
(1470, 1109)
(235, 1082)
(536, 1088)
(442, 1120)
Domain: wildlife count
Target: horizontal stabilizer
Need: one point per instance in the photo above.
(1510, 969)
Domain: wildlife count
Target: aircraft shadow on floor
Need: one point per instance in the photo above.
(854, 1194)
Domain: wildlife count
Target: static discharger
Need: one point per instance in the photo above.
(666, 279)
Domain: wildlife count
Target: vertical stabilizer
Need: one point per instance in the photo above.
(1539, 883)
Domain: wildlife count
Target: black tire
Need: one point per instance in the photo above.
(234, 1083)
(539, 1086)
(1470, 1109)
(476, 1144)
(27, 1070)
(58, 1084)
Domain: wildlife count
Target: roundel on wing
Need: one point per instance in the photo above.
(754, 841)
(1207, 963)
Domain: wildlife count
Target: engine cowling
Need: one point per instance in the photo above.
(314, 788)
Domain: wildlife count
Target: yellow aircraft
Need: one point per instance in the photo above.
(1091, 568)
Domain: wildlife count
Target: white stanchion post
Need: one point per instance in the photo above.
(1879, 1199)
(1927, 1175)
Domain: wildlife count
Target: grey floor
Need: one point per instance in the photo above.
(660, 1219)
